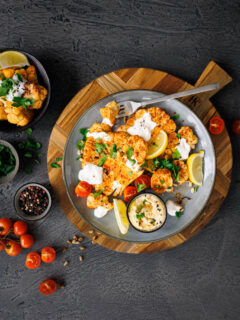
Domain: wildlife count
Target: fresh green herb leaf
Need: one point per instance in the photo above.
(144, 165)
(84, 132)
(21, 145)
(97, 194)
(80, 146)
(140, 187)
(28, 155)
(37, 161)
(39, 155)
(102, 160)
(132, 161)
(178, 136)
(155, 144)
(6, 86)
(20, 101)
(144, 201)
(58, 159)
(38, 145)
(129, 153)
(176, 154)
(100, 147)
(179, 214)
(195, 189)
(79, 157)
(139, 208)
(28, 170)
(162, 181)
(55, 165)
(113, 152)
(3, 77)
(175, 117)
(130, 173)
(140, 216)
(156, 187)
(7, 161)
(19, 77)
(153, 220)
(29, 131)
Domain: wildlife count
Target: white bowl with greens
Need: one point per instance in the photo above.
(9, 162)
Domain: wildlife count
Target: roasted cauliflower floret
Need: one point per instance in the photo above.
(3, 114)
(99, 127)
(110, 112)
(32, 74)
(101, 200)
(162, 181)
(22, 119)
(187, 133)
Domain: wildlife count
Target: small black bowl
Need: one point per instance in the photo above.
(140, 194)
(44, 81)
(24, 215)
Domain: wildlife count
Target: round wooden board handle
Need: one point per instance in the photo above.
(150, 79)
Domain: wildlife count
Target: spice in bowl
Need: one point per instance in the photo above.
(33, 200)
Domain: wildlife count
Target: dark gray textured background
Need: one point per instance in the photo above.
(77, 41)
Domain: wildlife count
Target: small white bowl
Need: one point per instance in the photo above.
(9, 177)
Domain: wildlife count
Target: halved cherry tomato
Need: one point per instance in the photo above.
(20, 228)
(142, 180)
(33, 260)
(48, 254)
(236, 126)
(48, 286)
(83, 189)
(129, 193)
(26, 240)
(13, 248)
(5, 226)
(3, 243)
(216, 125)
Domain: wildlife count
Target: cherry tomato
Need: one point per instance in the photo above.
(216, 125)
(2, 244)
(129, 193)
(48, 254)
(83, 189)
(236, 126)
(13, 248)
(5, 226)
(33, 260)
(48, 286)
(20, 228)
(142, 180)
(26, 240)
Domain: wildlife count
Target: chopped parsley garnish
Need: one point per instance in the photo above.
(19, 77)
(113, 152)
(139, 208)
(19, 101)
(129, 153)
(140, 216)
(28, 155)
(179, 214)
(195, 189)
(144, 201)
(176, 154)
(140, 187)
(162, 181)
(7, 160)
(144, 165)
(155, 144)
(166, 163)
(80, 146)
(175, 117)
(97, 194)
(84, 132)
(28, 170)
(100, 147)
(6, 86)
(37, 161)
(29, 131)
(153, 220)
(58, 159)
(102, 160)
(39, 155)
(132, 161)
(79, 157)
(3, 77)
(178, 136)
(55, 165)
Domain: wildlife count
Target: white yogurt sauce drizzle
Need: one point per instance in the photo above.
(100, 212)
(173, 207)
(143, 127)
(91, 174)
(183, 148)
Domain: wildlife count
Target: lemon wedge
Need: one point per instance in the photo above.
(158, 146)
(120, 210)
(195, 167)
(13, 59)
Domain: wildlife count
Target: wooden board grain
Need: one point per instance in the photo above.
(143, 78)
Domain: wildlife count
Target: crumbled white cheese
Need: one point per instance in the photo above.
(183, 148)
(107, 121)
(143, 127)
(100, 212)
(135, 167)
(173, 207)
(91, 174)
(99, 135)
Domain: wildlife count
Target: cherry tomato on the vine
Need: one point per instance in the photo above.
(20, 228)
(13, 248)
(5, 226)
(26, 240)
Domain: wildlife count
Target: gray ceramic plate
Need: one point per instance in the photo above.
(107, 224)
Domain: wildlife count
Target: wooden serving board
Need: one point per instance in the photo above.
(142, 78)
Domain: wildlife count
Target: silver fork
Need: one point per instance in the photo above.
(129, 107)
